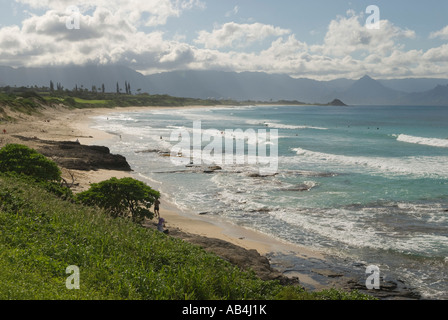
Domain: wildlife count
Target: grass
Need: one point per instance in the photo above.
(41, 235)
(94, 102)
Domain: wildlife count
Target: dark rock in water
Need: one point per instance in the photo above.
(192, 166)
(389, 290)
(258, 175)
(212, 169)
(327, 273)
(148, 151)
(262, 210)
(299, 188)
(337, 103)
(75, 156)
(311, 173)
(164, 154)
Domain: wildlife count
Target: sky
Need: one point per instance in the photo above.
(317, 39)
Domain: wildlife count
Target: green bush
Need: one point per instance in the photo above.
(70, 102)
(21, 159)
(125, 197)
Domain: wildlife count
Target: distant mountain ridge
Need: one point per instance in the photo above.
(255, 86)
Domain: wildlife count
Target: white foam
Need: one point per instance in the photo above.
(422, 166)
(433, 142)
(348, 228)
(276, 125)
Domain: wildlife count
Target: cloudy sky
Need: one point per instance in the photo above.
(313, 39)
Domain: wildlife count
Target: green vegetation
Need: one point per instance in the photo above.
(21, 159)
(27, 102)
(125, 197)
(30, 99)
(17, 160)
(98, 102)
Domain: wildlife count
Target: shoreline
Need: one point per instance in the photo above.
(61, 124)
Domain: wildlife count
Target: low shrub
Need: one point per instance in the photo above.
(22, 159)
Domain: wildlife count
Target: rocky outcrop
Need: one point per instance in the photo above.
(389, 290)
(248, 260)
(75, 156)
(337, 103)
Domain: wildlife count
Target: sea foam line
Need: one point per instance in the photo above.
(281, 125)
(433, 142)
(420, 166)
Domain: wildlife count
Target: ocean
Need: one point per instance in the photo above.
(366, 184)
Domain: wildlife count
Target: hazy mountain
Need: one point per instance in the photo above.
(238, 86)
(435, 97)
(369, 91)
(413, 85)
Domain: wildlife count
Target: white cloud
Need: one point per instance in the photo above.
(347, 36)
(232, 34)
(103, 37)
(112, 35)
(442, 34)
(437, 55)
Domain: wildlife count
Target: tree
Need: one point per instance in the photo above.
(118, 88)
(21, 159)
(125, 197)
(103, 89)
(51, 86)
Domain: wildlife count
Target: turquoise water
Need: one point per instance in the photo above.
(367, 184)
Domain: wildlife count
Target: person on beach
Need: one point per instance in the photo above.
(4, 131)
(156, 208)
(161, 226)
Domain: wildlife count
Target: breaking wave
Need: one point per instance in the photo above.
(433, 142)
